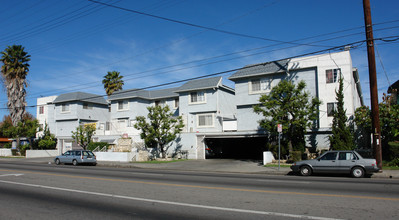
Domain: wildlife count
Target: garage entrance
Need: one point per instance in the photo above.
(235, 147)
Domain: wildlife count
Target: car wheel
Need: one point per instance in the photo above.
(357, 172)
(57, 161)
(75, 162)
(305, 171)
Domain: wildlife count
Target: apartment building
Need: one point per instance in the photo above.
(218, 119)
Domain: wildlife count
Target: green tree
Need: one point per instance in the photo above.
(14, 71)
(290, 105)
(25, 128)
(83, 134)
(112, 82)
(341, 138)
(48, 140)
(389, 122)
(160, 129)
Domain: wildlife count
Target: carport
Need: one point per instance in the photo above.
(235, 146)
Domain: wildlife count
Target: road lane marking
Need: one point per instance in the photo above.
(170, 202)
(282, 181)
(16, 174)
(214, 187)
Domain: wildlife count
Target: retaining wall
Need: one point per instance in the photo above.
(42, 153)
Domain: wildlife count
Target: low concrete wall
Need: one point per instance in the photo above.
(115, 156)
(41, 153)
(5, 152)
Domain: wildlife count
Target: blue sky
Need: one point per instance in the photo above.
(74, 43)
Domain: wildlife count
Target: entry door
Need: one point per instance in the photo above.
(327, 163)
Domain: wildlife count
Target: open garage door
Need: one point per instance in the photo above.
(235, 147)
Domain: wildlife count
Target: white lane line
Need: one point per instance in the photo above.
(171, 203)
(16, 174)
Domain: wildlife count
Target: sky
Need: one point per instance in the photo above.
(74, 43)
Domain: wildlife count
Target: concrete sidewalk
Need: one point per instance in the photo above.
(209, 165)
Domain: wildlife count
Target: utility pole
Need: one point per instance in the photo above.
(375, 115)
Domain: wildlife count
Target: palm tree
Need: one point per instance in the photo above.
(14, 71)
(112, 82)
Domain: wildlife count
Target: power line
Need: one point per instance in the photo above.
(64, 19)
(382, 65)
(222, 72)
(201, 26)
(69, 88)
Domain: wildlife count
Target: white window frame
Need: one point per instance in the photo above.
(159, 103)
(87, 106)
(125, 105)
(176, 103)
(65, 108)
(335, 73)
(265, 85)
(123, 122)
(197, 101)
(41, 110)
(333, 110)
(107, 126)
(204, 115)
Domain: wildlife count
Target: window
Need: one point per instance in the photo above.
(346, 156)
(107, 126)
(331, 108)
(41, 110)
(197, 97)
(65, 108)
(122, 105)
(87, 106)
(329, 156)
(261, 85)
(205, 120)
(159, 103)
(176, 103)
(332, 74)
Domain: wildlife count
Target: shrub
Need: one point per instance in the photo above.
(393, 150)
(7, 145)
(295, 156)
(23, 148)
(394, 163)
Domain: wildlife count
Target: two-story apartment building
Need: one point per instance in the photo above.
(67, 111)
(216, 117)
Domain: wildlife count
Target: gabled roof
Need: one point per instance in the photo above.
(144, 94)
(80, 96)
(261, 69)
(206, 83)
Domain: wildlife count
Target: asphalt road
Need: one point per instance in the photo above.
(47, 191)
